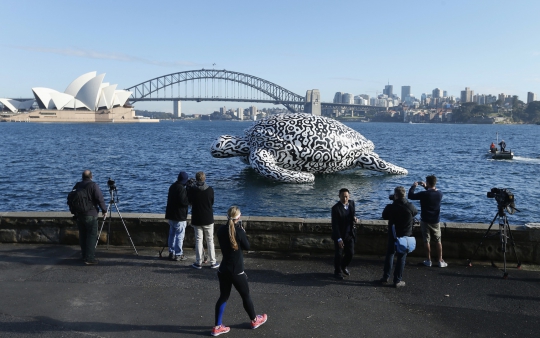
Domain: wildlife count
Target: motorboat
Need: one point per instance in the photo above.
(497, 154)
(501, 155)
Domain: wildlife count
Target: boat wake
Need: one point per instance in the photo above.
(527, 159)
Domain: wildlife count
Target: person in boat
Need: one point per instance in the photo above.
(503, 145)
(492, 147)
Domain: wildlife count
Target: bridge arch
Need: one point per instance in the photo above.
(215, 85)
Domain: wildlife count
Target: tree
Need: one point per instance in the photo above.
(532, 112)
(463, 112)
(481, 110)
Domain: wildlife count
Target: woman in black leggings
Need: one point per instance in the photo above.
(232, 240)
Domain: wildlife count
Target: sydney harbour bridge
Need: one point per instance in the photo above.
(223, 85)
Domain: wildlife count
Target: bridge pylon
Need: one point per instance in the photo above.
(313, 102)
(177, 108)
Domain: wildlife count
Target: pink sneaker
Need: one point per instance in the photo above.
(258, 321)
(217, 330)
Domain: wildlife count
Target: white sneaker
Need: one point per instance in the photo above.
(443, 264)
(214, 266)
(427, 262)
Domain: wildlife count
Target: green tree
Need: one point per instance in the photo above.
(518, 109)
(464, 112)
(532, 112)
(481, 110)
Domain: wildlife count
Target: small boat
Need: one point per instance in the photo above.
(502, 155)
(497, 154)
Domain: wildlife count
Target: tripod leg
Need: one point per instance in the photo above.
(469, 261)
(502, 235)
(125, 227)
(99, 234)
(513, 245)
(109, 229)
(102, 224)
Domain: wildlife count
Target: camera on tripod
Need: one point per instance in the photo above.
(504, 198)
(111, 184)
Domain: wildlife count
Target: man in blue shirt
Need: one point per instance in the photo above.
(430, 204)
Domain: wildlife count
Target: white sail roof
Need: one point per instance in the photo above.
(78, 83)
(87, 91)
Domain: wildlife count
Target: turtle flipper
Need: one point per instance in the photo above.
(229, 146)
(372, 161)
(263, 161)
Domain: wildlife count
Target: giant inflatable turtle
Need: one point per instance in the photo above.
(293, 147)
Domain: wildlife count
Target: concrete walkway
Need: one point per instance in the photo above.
(46, 291)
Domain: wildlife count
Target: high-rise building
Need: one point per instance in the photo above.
(347, 98)
(337, 97)
(240, 113)
(364, 96)
(531, 97)
(436, 93)
(405, 92)
(445, 93)
(388, 90)
(467, 95)
(253, 112)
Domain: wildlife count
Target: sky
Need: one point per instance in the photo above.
(355, 46)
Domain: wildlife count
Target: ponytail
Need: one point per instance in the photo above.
(232, 234)
(232, 214)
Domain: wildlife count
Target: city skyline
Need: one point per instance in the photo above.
(422, 44)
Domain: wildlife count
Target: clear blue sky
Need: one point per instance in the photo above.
(350, 46)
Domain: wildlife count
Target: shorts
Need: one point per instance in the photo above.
(428, 228)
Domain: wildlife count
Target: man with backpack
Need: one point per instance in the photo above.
(83, 202)
(400, 216)
(176, 215)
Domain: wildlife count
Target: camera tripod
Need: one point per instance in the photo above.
(108, 216)
(504, 234)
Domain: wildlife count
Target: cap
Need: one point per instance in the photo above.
(183, 177)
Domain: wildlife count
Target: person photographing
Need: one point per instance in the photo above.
(430, 205)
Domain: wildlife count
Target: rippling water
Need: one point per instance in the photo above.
(39, 163)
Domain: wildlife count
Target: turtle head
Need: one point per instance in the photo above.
(229, 146)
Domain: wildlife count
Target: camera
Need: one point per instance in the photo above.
(239, 225)
(191, 183)
(504, 197)
(111, 184)
(392, 197)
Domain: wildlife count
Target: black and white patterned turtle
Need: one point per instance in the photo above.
(293, 147)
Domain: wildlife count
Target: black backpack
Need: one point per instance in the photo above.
(79, 200)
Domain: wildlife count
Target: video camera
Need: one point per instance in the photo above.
(504, 198)
(111, 184)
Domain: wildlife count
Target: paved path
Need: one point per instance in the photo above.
(45, 291)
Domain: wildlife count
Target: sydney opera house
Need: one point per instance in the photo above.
(86, 99)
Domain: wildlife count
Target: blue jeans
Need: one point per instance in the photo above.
(389, 260)
(177, 231)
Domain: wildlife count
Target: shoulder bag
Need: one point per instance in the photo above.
(404, 244)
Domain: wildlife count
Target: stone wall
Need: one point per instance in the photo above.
(269, 234)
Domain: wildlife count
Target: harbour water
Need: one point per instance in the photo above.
(39, 164)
